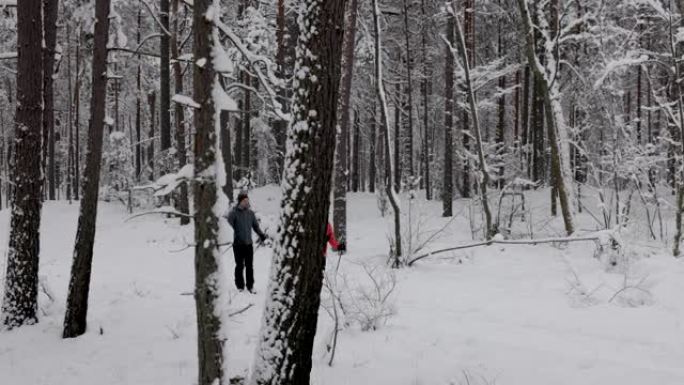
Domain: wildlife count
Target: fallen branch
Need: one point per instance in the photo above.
(162, 212)
(193, 245)
(532, 242)
(244, 309)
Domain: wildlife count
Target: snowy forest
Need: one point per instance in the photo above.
(294, 192)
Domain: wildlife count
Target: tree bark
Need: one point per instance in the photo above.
(289, 324)
(341, 172)
(210, 341)
(77, 118)
(165, 84)
(20, 302)
(448, 182)
(409, 93)
(179, 118)
(79, 285)
(425, 87)
(50, 8)
(555, 120)
(226, 153)
(138, 102)
(372, 166)
(490, 230)
(356, 162)
(152, 101)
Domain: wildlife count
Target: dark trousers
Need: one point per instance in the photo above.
(244, 258)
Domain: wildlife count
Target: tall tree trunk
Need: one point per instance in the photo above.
(469, 23)
(490, 230)
(165, 85)
(70, 122)
(280, 126)
(238, 143)
(179, 118)
(424, 91)
(372, 166)
(138, 102)
(20, 302)
(559, 155)
(501, 124)
(526, 152)
(79, 285)
(409, 93)
(356, 169)
(247, 127)
(387, 140)
(290, 318)
(77, 118)
(397, 139)
(226, 153)
(50, 8)
(152, 101)
(448, 182)
(210, 339)
(341, 172)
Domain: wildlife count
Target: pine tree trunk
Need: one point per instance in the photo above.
(409, 94)
(20, 302)
(152, 101)
(70, 122)
(526, 151)
(165, 85)
(490, 229)
(79, 285)
(280, 126)
(210, 340)
(226, 153)
(553, 110)
(50, 8)
(238, 144)
(77, 119)
(247, 127)
(179, 118)
(397, 139)
(284, 352)
(372, 166)
(138, 102)
(448, 182)
(424, 90)
(341, 172)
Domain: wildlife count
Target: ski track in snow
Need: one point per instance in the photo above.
(502, 314)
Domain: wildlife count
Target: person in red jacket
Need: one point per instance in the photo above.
(330, 234)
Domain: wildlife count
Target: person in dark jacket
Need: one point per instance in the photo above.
(243, 221)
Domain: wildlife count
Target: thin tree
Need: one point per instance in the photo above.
(165, 82)
(79, 285)
(285, 347)
(341, 172)
(50, 8)
(490, 231)
(20, 302)
(425, 87)
(390, 185)
(138, 104)
(448, 181)
(179, 117)
(555, 121)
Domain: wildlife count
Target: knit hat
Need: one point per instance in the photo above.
(242, 195)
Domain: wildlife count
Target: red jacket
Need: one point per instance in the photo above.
(331, 239)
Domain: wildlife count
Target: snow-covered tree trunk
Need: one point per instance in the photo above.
(341, 172)
(79, 285)
(472, 100)
(390, 186)
(208, 174)
(165, 83)
(289, 323)
(179, 115)
(50, 8)
(558, 139)
(20, 302)
(448, 181)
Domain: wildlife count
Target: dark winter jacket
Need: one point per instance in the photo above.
(243, 221)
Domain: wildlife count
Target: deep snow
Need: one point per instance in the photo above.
(533, 315)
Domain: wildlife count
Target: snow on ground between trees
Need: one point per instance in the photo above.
(533, 315)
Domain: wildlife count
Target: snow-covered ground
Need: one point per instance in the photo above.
(533, 315)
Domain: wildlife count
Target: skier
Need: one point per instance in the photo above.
(243, 221)
(330, 234)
